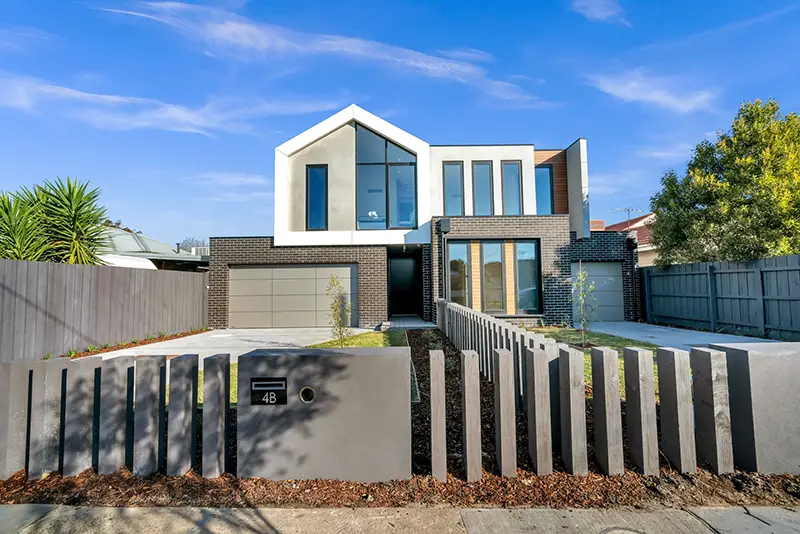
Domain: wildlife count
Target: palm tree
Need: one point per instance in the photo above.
(64, 214)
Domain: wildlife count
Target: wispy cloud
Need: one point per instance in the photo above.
(667, 153)
(726, 29)
(228, 179)
(661, 91)
(121, 112)
(19, 40)
(223, 33)
(600, 11)
(467, 54)
(238, 198)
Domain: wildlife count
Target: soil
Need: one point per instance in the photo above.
(558, 490)
(131, 344)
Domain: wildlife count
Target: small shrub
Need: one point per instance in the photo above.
(339, 313)
(48, 356)
(91, 348)
(583, 290)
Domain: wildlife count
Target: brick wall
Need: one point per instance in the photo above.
(612, 246)
(551, 230)
(371, 262)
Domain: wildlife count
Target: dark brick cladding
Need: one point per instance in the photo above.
(613, 246)
(371, 260)
(551, 230)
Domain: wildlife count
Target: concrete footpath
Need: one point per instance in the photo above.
(70, 519)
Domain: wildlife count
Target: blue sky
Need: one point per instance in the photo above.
(174, 109)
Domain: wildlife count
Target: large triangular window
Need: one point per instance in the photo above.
(386, 183)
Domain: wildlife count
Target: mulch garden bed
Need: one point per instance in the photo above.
(131, 344)
(557, 490)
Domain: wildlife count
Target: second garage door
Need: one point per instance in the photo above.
(286, 296)
(608, 290)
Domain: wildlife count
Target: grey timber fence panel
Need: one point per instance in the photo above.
(757, 298)
(48, 308)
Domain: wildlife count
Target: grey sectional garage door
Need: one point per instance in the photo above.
(263, 296)
(608, 290)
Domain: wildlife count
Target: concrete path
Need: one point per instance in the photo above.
(233, 341)
(66, 519)
(665, 336)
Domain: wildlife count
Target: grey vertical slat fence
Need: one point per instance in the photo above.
(55, 308)
(757, 298)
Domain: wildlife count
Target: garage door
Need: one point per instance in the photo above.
(263, 296)
(608, 295)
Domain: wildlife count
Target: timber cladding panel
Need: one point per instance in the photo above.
(511, 285)
(371, 261)
(558, 159)
(56, 308)
(475, 262)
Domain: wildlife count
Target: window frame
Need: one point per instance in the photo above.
(518, 163)
(468, 292)
(540, 303)
(484, 309)
(317, 166)
(552, 188)
(386, 164)
(444, 187)
(491, 187)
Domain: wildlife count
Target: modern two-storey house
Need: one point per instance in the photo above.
(499, 228)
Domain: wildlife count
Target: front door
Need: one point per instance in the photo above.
(405, 284)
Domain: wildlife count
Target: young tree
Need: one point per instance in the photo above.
(582, 290)
(740, 196)
(339, 313)
(189, 242)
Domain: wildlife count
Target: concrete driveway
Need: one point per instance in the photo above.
(665, 336)
(233, 341)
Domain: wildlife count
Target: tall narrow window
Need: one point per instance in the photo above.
(453, 188)
(492, 271)
(386, 183)
(529, 289)
(316, 197)
(458, 258)
(512, 187)
(544, 190)
(482, 187)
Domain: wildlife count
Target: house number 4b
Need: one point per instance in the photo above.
(270, 398)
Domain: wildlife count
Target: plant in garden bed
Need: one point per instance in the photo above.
(340, 309)
(582, 289)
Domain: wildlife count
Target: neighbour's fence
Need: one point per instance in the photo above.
(758, 298)
(56, 308)
(543, 380)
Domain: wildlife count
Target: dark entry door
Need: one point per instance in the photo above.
(405, 285)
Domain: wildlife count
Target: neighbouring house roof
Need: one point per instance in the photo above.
(639, 225)
(124, 243)
(597, 225)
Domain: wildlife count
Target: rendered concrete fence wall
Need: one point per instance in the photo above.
(54, 308)
(758, 297)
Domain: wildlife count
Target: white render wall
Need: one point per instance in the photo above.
(496, 154)
(578, 188)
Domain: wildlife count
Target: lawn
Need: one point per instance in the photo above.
(572, 337)
(390, 338)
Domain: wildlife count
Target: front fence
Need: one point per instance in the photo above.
(56, 308)
(699, 420)
(758, 298)
(300, 413)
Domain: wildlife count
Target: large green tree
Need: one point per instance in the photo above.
(59, 221)
(740, 196)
